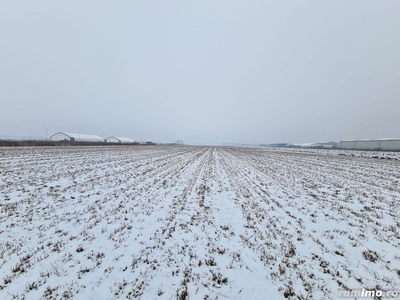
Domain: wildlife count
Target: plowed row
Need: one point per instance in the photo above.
(195, 222)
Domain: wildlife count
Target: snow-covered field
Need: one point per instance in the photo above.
(195, 222)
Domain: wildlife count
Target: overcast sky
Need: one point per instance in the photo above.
(201, 71)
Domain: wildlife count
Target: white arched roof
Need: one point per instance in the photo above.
(120, 139)
(77, 137)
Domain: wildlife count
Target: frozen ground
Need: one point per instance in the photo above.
(195, 222)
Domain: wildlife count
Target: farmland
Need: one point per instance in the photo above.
(196, 222)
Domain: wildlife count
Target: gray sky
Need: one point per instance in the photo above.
(201, 71)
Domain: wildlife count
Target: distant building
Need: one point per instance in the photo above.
(377, 144)
(318, 145)
(119, 140)
(75, 137)
(147, 143)
(329, 144)
(306, 145)
(278, 145)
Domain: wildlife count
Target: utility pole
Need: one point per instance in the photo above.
(46, 134)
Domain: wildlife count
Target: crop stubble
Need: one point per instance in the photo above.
(198, 222)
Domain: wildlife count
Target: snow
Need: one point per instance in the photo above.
(159, 222)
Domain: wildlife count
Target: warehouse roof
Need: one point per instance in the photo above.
(84, 136)
(372, 140)
(80, 136)
(122, 139)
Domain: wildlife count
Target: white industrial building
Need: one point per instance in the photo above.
(75, 137)
(317, 145)
(377, 144)
(308, 145)
(119, 140)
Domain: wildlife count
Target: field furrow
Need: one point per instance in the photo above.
(195, 223)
